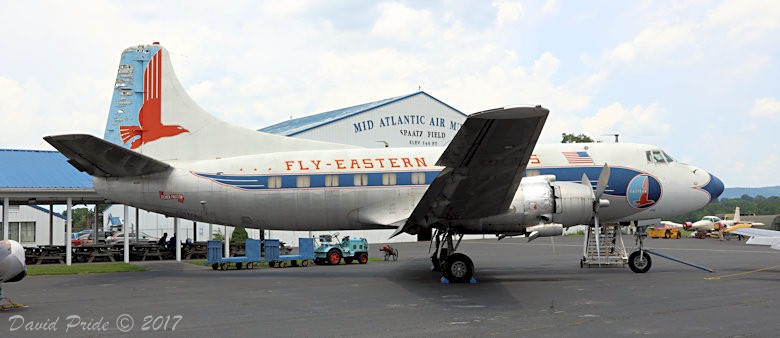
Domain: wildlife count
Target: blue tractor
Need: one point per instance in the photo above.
(330, 250)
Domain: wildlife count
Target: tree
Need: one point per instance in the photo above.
(81, 218)
(239, 235)
(571, 138)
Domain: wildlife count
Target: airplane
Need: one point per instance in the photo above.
(684, 225)
(12, 269)
(163, 153)
(707, 223)
(759, 236)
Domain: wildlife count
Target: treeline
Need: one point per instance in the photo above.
(748, 205)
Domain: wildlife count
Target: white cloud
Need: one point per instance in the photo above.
(765, 107)
(403, 23)
(615, 119)
(655, 42)
(747, 21)
(550, 7)
(508, 11)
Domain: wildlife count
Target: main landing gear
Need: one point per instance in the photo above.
(454, 267)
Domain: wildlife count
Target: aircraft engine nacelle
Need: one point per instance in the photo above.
(540, 200)
(12, 266)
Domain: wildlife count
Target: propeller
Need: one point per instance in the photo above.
(601, 186)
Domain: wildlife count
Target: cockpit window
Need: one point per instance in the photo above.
(658, 156)
(668, 158)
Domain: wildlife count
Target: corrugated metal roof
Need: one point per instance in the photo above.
(299, 125)
(39, 169)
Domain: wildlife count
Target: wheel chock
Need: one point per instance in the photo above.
(444, 280)
(473, 280)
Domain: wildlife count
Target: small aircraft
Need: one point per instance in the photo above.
(707, 223)
(12, 269)
(163, 153)
(759, 236)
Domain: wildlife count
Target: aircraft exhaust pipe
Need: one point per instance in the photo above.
(544, 230)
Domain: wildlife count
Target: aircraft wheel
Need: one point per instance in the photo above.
(639, 263)
(458, 268)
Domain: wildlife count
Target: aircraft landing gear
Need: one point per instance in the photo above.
(454, 267)
(639, 261)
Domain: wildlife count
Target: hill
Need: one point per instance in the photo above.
(752, 192)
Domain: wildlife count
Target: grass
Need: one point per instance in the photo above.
(43, 270)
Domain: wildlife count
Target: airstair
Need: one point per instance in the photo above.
(603, 246)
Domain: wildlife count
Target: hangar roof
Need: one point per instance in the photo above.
(39, 169)
(299, 125)
(43, 177)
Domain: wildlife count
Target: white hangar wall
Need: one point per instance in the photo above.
(416, 121)
(29, 225)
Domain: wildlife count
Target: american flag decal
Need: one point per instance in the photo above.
(577, 157)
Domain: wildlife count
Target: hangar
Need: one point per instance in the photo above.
(413, 120)
(34, 178)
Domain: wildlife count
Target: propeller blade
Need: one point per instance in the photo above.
(603, 180)
(587, 183)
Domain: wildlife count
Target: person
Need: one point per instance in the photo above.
(172, 244)
(163, 240)
(721, 227)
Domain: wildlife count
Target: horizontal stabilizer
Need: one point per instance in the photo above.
(102, 158)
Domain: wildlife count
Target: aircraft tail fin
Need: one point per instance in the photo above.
(737, 216)
(151, 113)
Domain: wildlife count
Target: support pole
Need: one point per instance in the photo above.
(126, 234)
(178, 240)
(137, 227)
(194, 231)
(211, 232)
(68, 231)
(5, 218)
(51, 224)
(227, 244)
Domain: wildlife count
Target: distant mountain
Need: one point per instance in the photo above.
(752, 192)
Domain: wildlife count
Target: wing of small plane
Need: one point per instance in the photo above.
(483, 167)
(98, 157)
(760, 236)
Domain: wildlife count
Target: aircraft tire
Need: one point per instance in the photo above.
(458, 268)
(639, 264)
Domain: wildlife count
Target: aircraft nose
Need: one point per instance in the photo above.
(714, 187)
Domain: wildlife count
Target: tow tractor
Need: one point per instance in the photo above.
(331, 250)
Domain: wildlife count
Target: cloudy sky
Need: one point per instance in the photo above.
(699, 78)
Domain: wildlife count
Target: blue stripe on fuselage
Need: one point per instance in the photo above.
(618, 180)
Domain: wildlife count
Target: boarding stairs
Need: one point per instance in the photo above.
(603, 246)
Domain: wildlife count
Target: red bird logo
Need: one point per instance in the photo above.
(150, 126)
(643, 200)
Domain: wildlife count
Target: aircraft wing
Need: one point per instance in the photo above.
(483, 163)
(760, 236)
(98, 157)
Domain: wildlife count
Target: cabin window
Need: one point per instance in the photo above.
(361, 179)
(668, 158)
(658, 157)
(303, 181)
(331, 180)
(418, 178)
(388, 179)
(275, 182)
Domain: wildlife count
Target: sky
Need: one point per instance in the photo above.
(700, 79)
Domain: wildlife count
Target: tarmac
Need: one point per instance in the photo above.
(523, 289)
